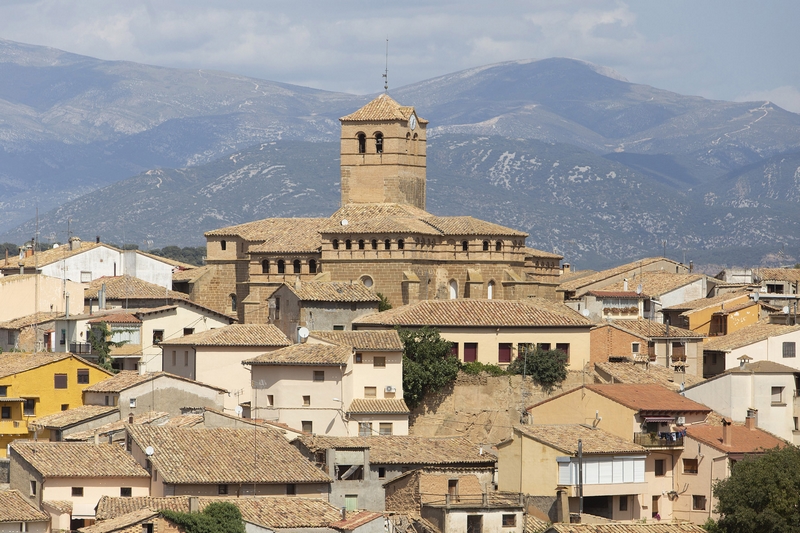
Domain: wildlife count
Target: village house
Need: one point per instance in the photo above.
(646, 341)
(360, 466)
(762, 390)
(18, 295)
(37, 385)
(455, 501)
(18, 514)
(135, 392)
(83, 262)
(494, 331)
(224, 461)
(763, 341)
(649, 415)
(57, 426)
(75, 472)
(543, 459)
(339, 383)
(114, 431)
(216, 356)
(32, 333)
(126, 292)
(143, 520)
(722, 314)
(777, 281)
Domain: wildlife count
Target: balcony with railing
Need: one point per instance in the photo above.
(80, 348)
(659, 440)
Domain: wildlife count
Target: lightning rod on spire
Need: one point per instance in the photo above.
(386, 72)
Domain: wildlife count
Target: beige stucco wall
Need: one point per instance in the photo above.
(711, 466)
(767, 350)
(93, 490)
(581, 406)
(31, 527)
(18, 295)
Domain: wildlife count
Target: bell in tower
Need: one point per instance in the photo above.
(383, 154)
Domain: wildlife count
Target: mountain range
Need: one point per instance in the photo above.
(591, 165)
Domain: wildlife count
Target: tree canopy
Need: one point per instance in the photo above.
(428, 363)
(217, 517)
(99, 338)
(762, 494)
(548, 368)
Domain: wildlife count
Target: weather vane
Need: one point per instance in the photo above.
(386, 72)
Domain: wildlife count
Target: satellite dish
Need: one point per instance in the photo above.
(303, 333)
(55, 245)
(756, 296)
(239, 410)
(149, 451)
(785, 309)
(344, 222)
(639, 289)
(585, 313)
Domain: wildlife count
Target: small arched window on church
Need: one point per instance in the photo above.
(233, 302)
(464, 246)
(223, 245)
(498, 246)
(485, 246)
(362, 143)
(281, 266)
(453, 289)
(379, 143)
(408, 138)
(401, 244)
(348, 244)
(490, 290)
(387, 244)
(374, 244)
(296, 266)
(312, 266)
(335, 244)
(265, 266)
(360, 244)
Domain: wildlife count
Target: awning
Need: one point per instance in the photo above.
(4, 399)
(659, 419)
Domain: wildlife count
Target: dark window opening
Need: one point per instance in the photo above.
(387, 244)
(348, 244)
(222, 489)
(464, 246)
(509, 520)
(188, 331)
(60, 381)
(660, 466)
(379, 143)
(125, 492)
(265, 266)
(6, 412)
(485, 246)
(291, 489)
(563, 347)
(281, 266)
(361, 244)
(312, 266)
(470, 352)
(498, 246)
(83, 375)
(335, 244)
(504, 352)
(296, 266)
(350, 472)
(401, 244)
(374, 244)
(77, 492)
(223, 245)
(362, 143)
(233, 304)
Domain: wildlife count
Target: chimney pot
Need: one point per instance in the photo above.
(750, 423)
(726, 432)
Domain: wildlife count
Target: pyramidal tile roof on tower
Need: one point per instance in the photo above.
(383, 107)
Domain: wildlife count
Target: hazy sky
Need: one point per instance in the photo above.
(724, 49)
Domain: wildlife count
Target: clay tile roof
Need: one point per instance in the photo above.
(121, 522)
(617, 294)
(46, 257)
(406, 450)
(78, 459)
(647, 397)
(116, 318)
(735, 308)
(14, 507)
(629, 372)
(358, 212)
(533, 252)
(335, 291)
(191, 274)
(235, 335)
(15, 362)
(763, 367)
(565, 437)
(743, 439)
(616, 527)
(378, 341)
(30, 320)
(355, 520)
(582, 281)
(378, 406)
(658, 282)
(649, 329)
(305, 354)
(383, 107)
(110, 507)
(116, 426)
(76, 415)
(130, 378)
(747, 336)
(779, 274)
(278, 234)
(62, 506)
(225, 455)
(465, 225)
(404, 225)
(478, 313)
(121, 287)
(702, 303)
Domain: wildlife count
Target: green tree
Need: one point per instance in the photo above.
(428, 363)
(548, 368)
(762, 494)
(384, 304)
(217, 517)
(101, 345)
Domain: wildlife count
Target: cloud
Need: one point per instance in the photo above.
(787, 97)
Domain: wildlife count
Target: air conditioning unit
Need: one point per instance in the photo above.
(681, 420)
(389, 388)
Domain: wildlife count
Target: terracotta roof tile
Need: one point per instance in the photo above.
(121, 522)
(235, 335)
(184, 421)
(78, 459)
(191, 274)
(130, 378)
(629, 372)
(109, 508)
(305, 354)
(648, 397)
(278, 234)
(378, 406)
(116, 426)
(648, 329)
(378, 341)
(735, 308)
(762, 367)
(477, 313)
(743, 439)
(355, 520)
(51, 255)
(116, 318)
(657, 283)
(225, 455)
(76, 415)
(15, 362)
(29, 320)
(335, 291)
(747, 335)
(383, 107)
(632, 295)
(62, 506)
(404, 225)
(14, 507)
(533, 252)
(702, 303)
(360, 212)
(779, 274)
(121, 287)
(579, 282)
(617, 527)
(565, 437)
(406, 450)
(465, 225)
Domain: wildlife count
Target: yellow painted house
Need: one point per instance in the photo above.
(716, 316)
(40, 384)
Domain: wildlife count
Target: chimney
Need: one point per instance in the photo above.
(625, 284)
(751, 421)
(96, 438)
(566, 268)
(97, 240)
(194, 504)
(691, 267)
(297, 283)
(344, 513)
(726, 432)
(74, 243)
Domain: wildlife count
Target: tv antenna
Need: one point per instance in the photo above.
(386, 71)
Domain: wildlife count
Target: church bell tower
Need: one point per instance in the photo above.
(383, 154)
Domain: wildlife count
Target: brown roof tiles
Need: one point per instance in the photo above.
(648, 329)
(383, 107)
(378, 406)
(29, 320)
(630, 372)
(335, 291)
(779, 274)
(121, 522)
(305, 354)
(565, 437)
(617, 527)
(78, 459)
(14, 507)
(235, 335)
(648, 397)
(742, 439)
(122, 287)
(130, 378)
(702, 303)
(70, 417)
(747, 335)
(580, 281)
(655, 283)
(376, 341)
(15, 362)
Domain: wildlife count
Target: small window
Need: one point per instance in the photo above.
(335, 244)
(6, 410)
(281, 266)
(386, 428)
(362, 143)
(698, 502)
(306, 401)
(277, 308)
(454, 349)
(265, 266)
(379, 361)
(33, 488)
(60, 381)
(188, 331)
(660, 467)
(223, 245)
(470, 352)
(86, 277)
(361, 244)
(464, 246)
(77, 492)
(453, 286)
(485, 246)
(338, 327)
(370, 392)
(509, 520)
(359, 358)
(270, 400)
(690, 466)
(83, 375)
(374, 244)
(623, 503)
(490, 290)
(312, 266)
(379, 143)
(381, 473)
(234, 303)
(635, 347)
(186, 358)
(307, 426)
(132, 403)
(65, 407)
(789, 349)
(364, 429)
(3, 391)
(543, 346)
(125, 492)
(291, 489)
(29, 407)
(158, 334)
(107, 400)
(777, 395)
(348, 244)
(319, 375)
(296, 266)
(222, 489)
(174, 359)
(401, 244)
(387, 244)
(504, 352)
(563, 347)
(498, 246)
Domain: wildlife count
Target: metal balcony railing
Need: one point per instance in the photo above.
(652, 440)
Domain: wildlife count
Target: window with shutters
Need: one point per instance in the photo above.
(470, 352)
(60, 381)
(789, 349)
(83, 375)
(504, 352)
